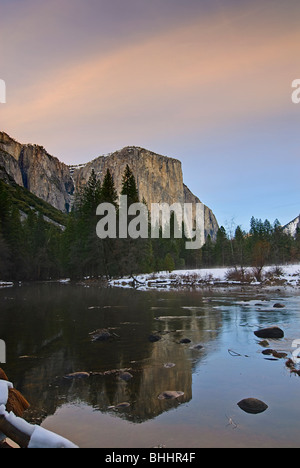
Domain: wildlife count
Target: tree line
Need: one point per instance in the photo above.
(34, 249)
(264, 244)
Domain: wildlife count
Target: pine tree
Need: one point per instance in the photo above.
(129, 187)
(108, 190)
(90, 197)
(221, 247)
(169, 264)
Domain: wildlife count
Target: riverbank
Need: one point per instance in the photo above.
(284, 275)
(270, 276)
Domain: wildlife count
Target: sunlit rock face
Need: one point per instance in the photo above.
(159, 178)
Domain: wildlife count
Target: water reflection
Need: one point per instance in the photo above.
(47, 330)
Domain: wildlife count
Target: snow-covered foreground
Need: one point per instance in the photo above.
(289, 275)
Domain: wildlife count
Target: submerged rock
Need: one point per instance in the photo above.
(126, 376)
(169, 365)
(120, 406)
(77, 375)
(279, 306)
(271, 332)
(185, 340)
(154, 338)
(252, 406)
(197, 347)
(170, 395)
(101, 335)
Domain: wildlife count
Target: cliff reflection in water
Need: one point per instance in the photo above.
(47, 326)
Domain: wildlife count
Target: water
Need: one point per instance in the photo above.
(47, 332)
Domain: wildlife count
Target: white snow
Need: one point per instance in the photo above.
(6, 284)
(4, 387)
(18, 423)
(200, 277)
(41, 438)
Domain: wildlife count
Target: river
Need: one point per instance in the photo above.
(47, 329)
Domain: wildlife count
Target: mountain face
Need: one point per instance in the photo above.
(292, 227)
(159, 178)
(34, 169)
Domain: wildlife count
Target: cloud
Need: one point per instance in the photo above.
(190, 79)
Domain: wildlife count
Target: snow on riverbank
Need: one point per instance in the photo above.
(6, 284)
(289, 275)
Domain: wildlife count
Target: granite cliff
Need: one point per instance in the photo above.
(293, 227)
(36, 170)
(159, 178)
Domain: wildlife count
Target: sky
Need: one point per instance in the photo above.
(208, 82)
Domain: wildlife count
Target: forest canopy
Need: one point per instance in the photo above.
(32, 248)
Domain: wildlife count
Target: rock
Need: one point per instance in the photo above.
(101, 335)
(267, 352)
(35, 169)
(185, 340)
(274, 353)
(252, 406)
(126, 376)
(122, 405)
(279, 355)
(197, 347)
(271, 332)
(154, 338)
(119, 406)
(159, 178)
(290, 364)
(170, 395)
(169, 365)
(264, 343)
(77, 375)
(279, 306)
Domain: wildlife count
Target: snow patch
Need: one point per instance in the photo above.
(290, 274)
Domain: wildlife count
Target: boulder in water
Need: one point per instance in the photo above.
(185, 340)
(126, 376)
(154, 338)
(101, 335)
(252, 406)
(271, 332)
(77, 375)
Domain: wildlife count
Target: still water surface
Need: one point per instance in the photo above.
(47, 331)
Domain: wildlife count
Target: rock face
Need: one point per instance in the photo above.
(33, 168)
(159, 178)
(292, 227)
